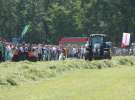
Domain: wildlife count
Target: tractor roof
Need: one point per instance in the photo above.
(91, 35)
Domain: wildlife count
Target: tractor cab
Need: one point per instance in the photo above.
(98, 47)
(96, 38)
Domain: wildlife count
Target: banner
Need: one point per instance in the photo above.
(25, 30)
(125, 40)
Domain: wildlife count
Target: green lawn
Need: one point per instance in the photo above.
(117, 83)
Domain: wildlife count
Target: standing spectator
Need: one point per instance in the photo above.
(82, 52)
(62, 55)
(54, 53)
(8, 52)
(74, 52)
(2, 52)
(45, 53)
(39, 50)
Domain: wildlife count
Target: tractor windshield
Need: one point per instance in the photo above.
(97, 39)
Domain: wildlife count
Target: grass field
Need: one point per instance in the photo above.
(97, 80)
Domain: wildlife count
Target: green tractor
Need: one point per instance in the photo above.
(98, 47)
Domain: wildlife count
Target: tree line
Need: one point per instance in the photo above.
(51, 20)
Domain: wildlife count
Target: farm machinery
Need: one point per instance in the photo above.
(98, 47)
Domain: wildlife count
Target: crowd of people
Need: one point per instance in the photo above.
(42, 52)
(38, 52)
(123, 51)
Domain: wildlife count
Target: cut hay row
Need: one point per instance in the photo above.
(15, 73)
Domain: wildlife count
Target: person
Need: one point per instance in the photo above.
(97, 49)
(31, 56)
(0, 56)
(49, 55)
(2, 51)
(62, 55)
(54, 53)
(22, 55)
(39, 50)
(35, 52)
(45, 53)
(16, 55)
(82, 52)
(66, 52)
(8, 52)
(74, 51)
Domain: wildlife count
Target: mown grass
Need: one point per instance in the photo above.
(15, 73)
(117, 83)
(107, 80)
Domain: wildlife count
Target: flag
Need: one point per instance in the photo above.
(25, 30)
(125, 40)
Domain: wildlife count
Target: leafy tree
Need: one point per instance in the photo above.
(50, 20)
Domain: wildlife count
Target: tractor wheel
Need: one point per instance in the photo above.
(110, 57)
(87, 56)
(90, 59)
